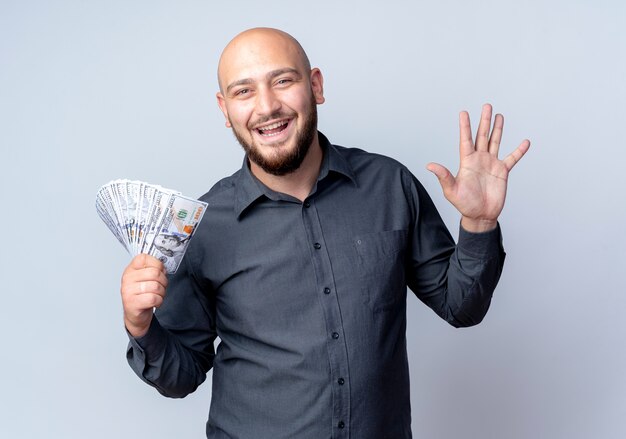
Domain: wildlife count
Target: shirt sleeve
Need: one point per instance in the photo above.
(455, 281)
(177, 351)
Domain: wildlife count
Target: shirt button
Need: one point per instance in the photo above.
(341, 424)
(341, 381)
(335, 335)
(317, 246)
(326, 290)
(307, 204)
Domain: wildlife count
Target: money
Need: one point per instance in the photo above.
(147, 218)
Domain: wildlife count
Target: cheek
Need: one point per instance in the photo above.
(306, 103)
(240, 113)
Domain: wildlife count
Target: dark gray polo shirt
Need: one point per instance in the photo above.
(309, 301)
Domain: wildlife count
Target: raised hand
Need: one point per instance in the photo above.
(479, 189)
(143, 288)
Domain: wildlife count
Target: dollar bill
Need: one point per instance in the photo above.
(148, 218)
(176, 228)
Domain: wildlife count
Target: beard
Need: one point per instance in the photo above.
(288, 161)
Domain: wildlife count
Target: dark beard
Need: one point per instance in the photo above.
(292, 160)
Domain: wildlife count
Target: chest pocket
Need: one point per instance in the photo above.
(380, 267)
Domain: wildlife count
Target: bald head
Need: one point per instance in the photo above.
(269, 95)
(255, 47)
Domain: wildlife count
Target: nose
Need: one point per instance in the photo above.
(267, 102)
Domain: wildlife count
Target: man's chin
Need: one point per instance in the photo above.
(278, 147)
(278, 168)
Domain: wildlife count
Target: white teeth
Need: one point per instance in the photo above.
(273, 126)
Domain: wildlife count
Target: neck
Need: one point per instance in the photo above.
(299, 183)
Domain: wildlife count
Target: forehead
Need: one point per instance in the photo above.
(252, 56)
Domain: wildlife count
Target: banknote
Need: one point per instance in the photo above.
(105, 203)
(175, 230)
(148, 218)
(161, 205)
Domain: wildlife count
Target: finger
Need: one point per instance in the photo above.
(149, 301)
(496, 135)
(151, 288)
(466, 145)
(143, 260)
(131, 288)
(134, 275)
(482, 134)
(149, 274)
(516, 155)
(446, 179)
(138, 305)
(141, 297)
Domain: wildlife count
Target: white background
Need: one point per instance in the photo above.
(96, 90)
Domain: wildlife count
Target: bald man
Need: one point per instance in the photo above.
(302, 262)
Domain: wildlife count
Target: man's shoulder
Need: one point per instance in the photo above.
(361, 160)
(223, 188)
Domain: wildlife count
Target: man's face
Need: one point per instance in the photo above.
(269, 98)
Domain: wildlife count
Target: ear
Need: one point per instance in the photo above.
(221, 102)
(317, 85)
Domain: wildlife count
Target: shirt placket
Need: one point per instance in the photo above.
(336, 342)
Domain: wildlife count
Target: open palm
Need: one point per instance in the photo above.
(479, 189)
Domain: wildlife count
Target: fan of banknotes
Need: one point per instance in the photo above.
(147, 218)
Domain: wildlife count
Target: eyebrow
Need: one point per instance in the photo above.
(269, 75)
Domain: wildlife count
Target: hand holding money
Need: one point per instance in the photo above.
(144, 283)
(154, 224)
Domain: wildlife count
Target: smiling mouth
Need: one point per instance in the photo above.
(273, 129)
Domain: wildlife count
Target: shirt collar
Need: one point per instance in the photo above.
(249, 188)
(334, 161)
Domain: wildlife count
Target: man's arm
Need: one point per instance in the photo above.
(457, 282)
(171, 350)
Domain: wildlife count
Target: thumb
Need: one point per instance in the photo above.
(445, 177)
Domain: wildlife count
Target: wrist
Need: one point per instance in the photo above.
(474, 225)
(135, 330)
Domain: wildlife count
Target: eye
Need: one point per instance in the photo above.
(284, 81)
(242, 92)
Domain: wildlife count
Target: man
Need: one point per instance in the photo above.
(301, 264)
